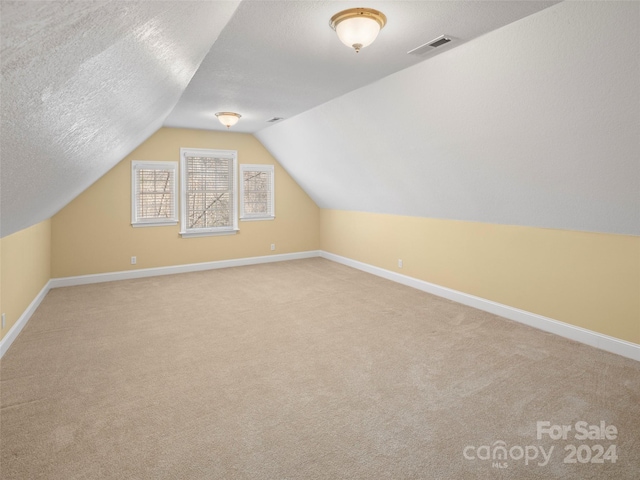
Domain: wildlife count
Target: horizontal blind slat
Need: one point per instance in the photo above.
(155, 193)
(209, 189)
(257, 194)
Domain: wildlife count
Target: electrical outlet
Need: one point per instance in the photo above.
(399, 263)
(273, 246)
(134, 260)
(3, 320)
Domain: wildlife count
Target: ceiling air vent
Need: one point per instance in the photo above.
(430, 46)
(274, 119)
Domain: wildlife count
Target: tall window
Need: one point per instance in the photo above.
(154, 200)
(256, 192)
(209, 192)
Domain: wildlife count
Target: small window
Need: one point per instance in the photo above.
(209, 192)
(153, 193)
(256, 192)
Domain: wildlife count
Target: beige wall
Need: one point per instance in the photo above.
(25, 267)
(93, 234)
(585, 279)
(590, 280)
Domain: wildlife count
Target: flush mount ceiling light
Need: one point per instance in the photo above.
(358, 27)
(228, 119)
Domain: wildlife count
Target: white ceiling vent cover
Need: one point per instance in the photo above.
(431, 46)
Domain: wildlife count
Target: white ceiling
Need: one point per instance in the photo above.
(84, 83)
(280, 58)
(535, 124)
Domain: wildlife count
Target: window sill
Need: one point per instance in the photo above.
(256, 219)
(208, 234)
(154, 224)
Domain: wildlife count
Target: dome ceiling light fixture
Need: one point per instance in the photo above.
(358, 27)
(228, 119)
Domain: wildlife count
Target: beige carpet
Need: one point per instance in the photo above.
(300, 370)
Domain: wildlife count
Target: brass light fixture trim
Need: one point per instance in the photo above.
(353, 13)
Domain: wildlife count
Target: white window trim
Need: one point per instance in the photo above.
(206, 232)
(257, 217)
(152, 165)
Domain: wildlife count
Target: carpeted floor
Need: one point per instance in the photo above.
(302, 370)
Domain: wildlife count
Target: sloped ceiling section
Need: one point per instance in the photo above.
(84, 83)
(279, 58)
(535, 124)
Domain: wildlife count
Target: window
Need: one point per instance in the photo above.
(209, 192)
(153, 193)
(256, 192)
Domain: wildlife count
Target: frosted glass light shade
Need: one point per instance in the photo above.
(358, 32)
(228, 119)
(358, 27)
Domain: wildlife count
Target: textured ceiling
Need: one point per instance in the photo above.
(536, 124)
(280, 58)
(84, 83)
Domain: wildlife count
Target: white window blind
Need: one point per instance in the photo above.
(209, 192)
(256, 192)
(154, 200)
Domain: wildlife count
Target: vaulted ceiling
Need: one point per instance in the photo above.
(84, 83)
(280, 58)
(535, 124)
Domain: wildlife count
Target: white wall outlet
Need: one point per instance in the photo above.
(399, 263)
(134, 260)
(3, 319)
(273, 246)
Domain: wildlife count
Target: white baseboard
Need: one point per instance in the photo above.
(17, 327)
(171, 270)
(11, 335)
(582, 335)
